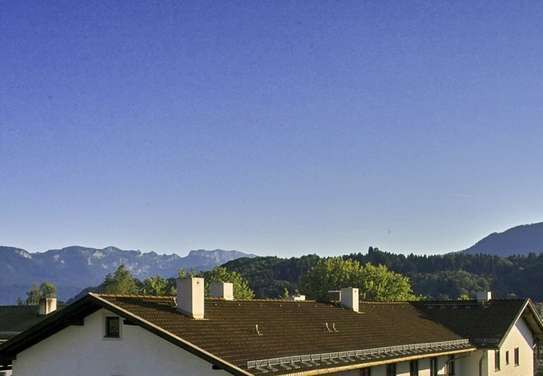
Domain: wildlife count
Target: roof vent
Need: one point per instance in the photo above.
(484, 296)
(258, 331)
(190, 297)
(47, 306)
(350, 298)
(222, 290)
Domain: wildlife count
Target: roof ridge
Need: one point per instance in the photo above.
(266, 300)
(132, 296)
(470, 301)
(206, 298)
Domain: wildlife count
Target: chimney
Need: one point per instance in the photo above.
(47, 306)
(350, 298)
(190, 297)
(222, 290)
(297, 298)
(484, 296)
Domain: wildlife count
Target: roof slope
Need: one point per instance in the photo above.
(485, 324)
(15, 319)
(287, 328)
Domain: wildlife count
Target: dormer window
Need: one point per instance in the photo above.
(113, 327)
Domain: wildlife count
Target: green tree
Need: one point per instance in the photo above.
(33, 295)
(156, 286)
(182, 273)
(220, 274)
(120, 282)
(451, 284)
(286, 294)
(48, 290)
(375, 282)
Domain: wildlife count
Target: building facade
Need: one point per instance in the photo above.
(189, 335)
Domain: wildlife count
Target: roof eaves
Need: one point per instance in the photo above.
(351, 367)
(50, 324)
(517, 317)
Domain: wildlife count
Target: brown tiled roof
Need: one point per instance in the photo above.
(228, 336)
(287, 328)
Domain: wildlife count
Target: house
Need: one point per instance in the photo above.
(14, 319)
(116, 335)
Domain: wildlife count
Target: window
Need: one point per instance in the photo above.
(391, 369)
(517, 356)
(451, 366)
(433, 367)
(497, 360)
(365, 372)
(507, 358)
(414, 368)
(113, 327)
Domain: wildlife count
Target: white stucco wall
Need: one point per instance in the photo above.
(468, 364)
(82, 351)
(402, 369)
(520, 336)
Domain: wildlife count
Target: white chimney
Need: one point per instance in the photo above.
(47, 306)
(484, 296)
(297, 298)
(350, 298)
(190, 297)
(222, 290)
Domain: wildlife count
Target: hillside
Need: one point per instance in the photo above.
(519, 240)
(73, 268)
(448, 276)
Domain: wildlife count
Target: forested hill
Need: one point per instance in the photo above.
(447, 276)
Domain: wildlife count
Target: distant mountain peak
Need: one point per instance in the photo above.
(518, 240)
(76, 267)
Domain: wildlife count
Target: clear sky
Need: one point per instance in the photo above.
(269, 126)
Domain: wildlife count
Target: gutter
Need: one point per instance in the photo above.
(481, 363)
(351, 367)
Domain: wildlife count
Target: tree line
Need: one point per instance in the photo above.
(449, 276)
(376, 282)
(379, 276)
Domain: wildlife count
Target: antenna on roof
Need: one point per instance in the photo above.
(258, 332)
(327, 327)
(334, 327)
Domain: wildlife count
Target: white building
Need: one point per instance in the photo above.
(112, 335)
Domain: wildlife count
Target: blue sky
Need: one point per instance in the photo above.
(276, 127)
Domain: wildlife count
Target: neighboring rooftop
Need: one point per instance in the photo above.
(17, 318)
(485, 324)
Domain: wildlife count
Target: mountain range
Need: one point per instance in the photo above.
(74, 268)
(519, 240)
